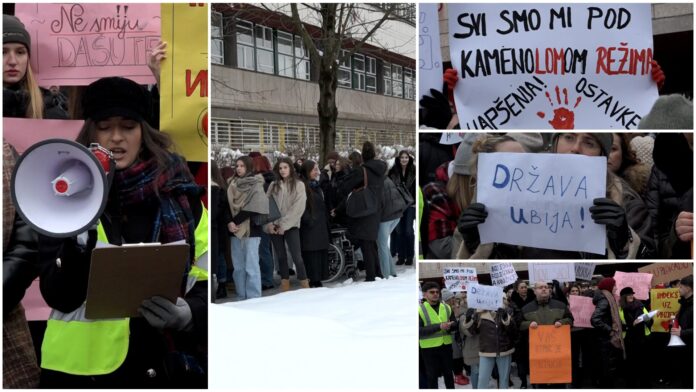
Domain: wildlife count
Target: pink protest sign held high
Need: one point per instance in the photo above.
(638, 281)
(76, 44)
(582, 309)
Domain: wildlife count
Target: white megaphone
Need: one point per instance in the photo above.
(60, 187)
(674, 340)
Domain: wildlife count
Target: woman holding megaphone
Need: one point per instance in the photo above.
(153, 198)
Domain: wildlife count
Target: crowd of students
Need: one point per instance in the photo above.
(269, 216)
(474, 346)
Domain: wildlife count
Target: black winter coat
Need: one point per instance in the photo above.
(635, 334)
(670, 191)
(685, 316)
(65, 288)
(19, 264)
(519, 302)
(393, 204)
(220, 216)
(408, 180)
(15, 103)
(431, 154)
(314, 226)
(601, 318)
(367, 227)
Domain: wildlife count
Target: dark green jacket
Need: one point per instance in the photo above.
(546, 314)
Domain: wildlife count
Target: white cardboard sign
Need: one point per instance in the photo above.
(552, 66)
(430, 58)
(584, 271)
(542, 200)
(503, 274)
(484, 297)
(546, 272)
(457, 278)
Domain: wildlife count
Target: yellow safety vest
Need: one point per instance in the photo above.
(430, 317)
(623, 322)
(76, 345)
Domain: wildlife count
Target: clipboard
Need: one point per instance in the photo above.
(122, 277)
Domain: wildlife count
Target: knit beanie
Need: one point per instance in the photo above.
(115, 96)
(643, 146)
(13, 31)
(462, 160)
(607, 284)
(605, 141)
(446, 295)
(531, 141)
(669, 112)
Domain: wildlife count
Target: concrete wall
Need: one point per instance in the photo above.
(239, 93)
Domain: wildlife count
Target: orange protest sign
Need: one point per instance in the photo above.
(549, 355)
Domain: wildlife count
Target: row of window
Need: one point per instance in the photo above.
(263, 49)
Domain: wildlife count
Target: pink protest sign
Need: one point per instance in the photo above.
(638, 281)
(22, 133)
(35, 308)
(76, 44)
(582, 309)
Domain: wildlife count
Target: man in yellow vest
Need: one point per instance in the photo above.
(435, 322)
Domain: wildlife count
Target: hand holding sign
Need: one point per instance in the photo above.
(471, 217)
(607, 212)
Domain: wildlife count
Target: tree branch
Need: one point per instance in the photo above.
(306, 38)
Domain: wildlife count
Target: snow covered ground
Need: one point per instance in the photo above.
(358, 335)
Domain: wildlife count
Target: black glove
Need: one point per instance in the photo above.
(51, 248)
(437, 109)
(607, 212)
(469, 314)
(469, 220)
(510, 311)
(500, 311)
(14, 103)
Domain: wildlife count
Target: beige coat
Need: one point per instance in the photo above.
(290, 204)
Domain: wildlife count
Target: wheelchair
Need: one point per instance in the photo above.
(342, 256)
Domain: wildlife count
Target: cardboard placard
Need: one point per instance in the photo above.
(667, 272)
(666, 302)
(582, 308)
(458, 278)
(503, 274)
(549, 355)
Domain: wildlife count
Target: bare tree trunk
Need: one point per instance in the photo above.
(327, 109)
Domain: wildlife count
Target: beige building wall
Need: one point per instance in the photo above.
(238, 93)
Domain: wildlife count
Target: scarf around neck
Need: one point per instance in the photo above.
(165, 188)
(615, 336)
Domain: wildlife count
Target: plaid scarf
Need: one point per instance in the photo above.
(444, 212)
(165, 188)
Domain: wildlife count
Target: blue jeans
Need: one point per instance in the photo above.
(386, 263)
(266, 260)
(247, 273)
(474, 375)
(486, 369)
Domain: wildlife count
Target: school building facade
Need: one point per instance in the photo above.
(264, 86)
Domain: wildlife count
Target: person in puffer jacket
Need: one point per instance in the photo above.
(497, 331)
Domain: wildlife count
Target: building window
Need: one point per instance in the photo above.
(302, 62)
(344, 79)
(245, 45)
(386, 75)
(397, 80)
(286, 62)
(264, 49)
(409, 83)
(371, 74)
(217, 47)
(359, 72)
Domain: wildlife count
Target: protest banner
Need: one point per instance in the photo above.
(549, 355)
(667, 272)
(22, 133)
(184, 78)
(638, 281)
(541, 200)
(552, 66)
(457, 278)
(503, 274)
(450, 138)
(430, 57)
(77, 43)
(546, 272)
(666, 302)
(484, 297)
(582, 308)
(35, 307)
(584, 271)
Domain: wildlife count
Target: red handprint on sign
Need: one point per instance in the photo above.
(563, 118)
